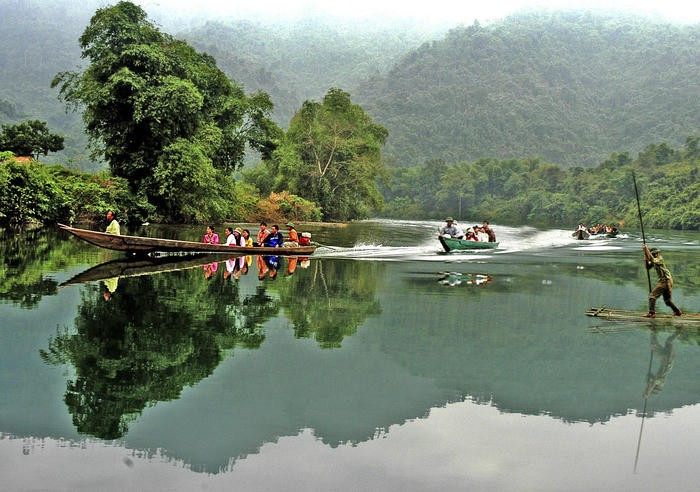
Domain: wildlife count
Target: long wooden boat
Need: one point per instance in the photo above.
(143, 245)
(454, 244)
(610, 314)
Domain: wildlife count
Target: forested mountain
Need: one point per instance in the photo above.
(37, 40)
(301, 61)
(568, 87)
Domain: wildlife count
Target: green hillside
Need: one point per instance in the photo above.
(568, 87)
(301, 61)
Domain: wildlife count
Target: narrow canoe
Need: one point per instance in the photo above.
(610, 314)
(143, 245)
(453, 244)
(580, 234)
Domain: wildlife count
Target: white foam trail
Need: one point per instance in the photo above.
(511, 240)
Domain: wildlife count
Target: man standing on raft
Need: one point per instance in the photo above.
(653, 258)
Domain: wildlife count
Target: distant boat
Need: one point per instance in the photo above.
(454, 244)
(580, 234)
(144, 245)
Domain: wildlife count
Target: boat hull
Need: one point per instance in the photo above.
(453, 244)
(144, 245)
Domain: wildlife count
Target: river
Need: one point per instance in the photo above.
(379, 363)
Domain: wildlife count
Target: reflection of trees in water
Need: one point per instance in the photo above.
(330, 299)
(25, 258)
(155, 336)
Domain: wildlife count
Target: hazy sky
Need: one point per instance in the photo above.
(448, 12)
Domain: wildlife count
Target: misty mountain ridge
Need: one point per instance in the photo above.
(569, 87)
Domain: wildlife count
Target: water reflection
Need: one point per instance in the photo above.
(453, 279)
(140, 338)
(155, 336)
(252, 356)
(666, 357)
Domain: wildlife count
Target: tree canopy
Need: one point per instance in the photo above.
(29, 138)
(163, 115)
(530, 191)
(331, 155)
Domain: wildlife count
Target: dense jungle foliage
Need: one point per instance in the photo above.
(531, 191)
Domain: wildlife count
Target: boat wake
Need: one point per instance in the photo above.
(511, 240)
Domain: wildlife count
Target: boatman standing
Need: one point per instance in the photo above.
(112, 224)
(450, 229)
(664, 287)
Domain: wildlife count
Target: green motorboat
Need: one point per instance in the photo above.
(454, 244)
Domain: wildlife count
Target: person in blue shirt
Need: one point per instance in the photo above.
(275, 239)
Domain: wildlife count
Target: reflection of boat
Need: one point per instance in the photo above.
(609, 314)
(134, 267)
(580, 234)
(453, 279)
(454, 244)
(138, 244)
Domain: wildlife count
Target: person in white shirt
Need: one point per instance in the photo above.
(230, 238)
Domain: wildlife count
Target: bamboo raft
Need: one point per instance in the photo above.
(610, 314)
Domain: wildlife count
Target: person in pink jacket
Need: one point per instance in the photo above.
(211, 237)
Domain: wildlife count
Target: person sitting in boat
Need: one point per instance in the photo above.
(230, 238)
(246, 236)
(234, 237)
(211, 237)
(470, 236)
(262, 234)
(292, 235)
(275, 239)
(112, 224)
(489, 231)
(581, 227)
(450, 229)
(481, 234)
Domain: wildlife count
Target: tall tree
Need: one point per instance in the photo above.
(30, 138)
(332, 155)
(149, 101)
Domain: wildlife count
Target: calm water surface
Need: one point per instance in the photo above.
(379, 363)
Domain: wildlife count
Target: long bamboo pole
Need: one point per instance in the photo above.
(641, 224)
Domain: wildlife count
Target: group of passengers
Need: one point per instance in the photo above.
(597, 229)
(271, 238)
(475, 233)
